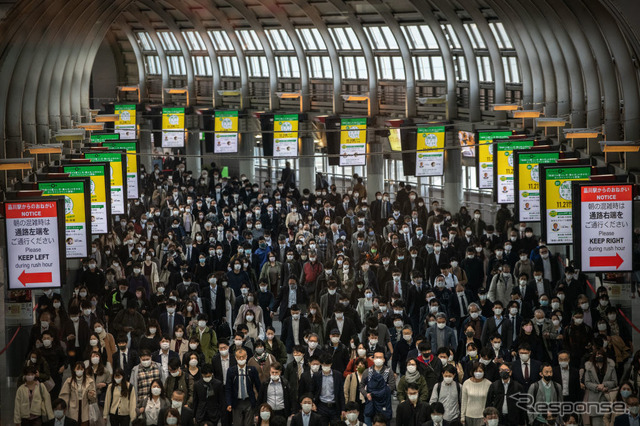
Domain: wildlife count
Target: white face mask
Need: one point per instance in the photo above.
(448, 379)
(378, 362)
(241, 362)
(58, 414)
(156, 392)
(362, 353)
(307, 408)
(146, 363)
(478, 375)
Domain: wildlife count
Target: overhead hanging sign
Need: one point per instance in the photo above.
(173, 129)
(226, 132)
(603, 220)
(77, 205)
(100, 187)
(126, 127)
(132, 165)
(101, 137)
(485, 156)
(116, 162)
(353, 141)
(556, 198)
(430, 151)
(285, 135)
(527, 177)
(35, 254)
(503, 169)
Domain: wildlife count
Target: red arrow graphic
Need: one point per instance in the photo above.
(35, 277)
(606, 261)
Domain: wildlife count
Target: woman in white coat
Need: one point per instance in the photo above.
(600, 380)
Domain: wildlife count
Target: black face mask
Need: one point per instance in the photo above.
(426, 355)
(548, 378)
(470, 333)
(599, 359)
(504, 375)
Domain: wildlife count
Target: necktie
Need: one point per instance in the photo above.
(170, 325)
(437, 233)
(243, 385)
(406, 237)
(124, 360)
(526, 371)
(300, 370)
(463, 303)
(396, 289)
(513, 327)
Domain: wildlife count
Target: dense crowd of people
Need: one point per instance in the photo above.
(223, 300)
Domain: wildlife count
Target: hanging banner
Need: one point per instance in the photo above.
(430, 151)
(556, 198)
(101, 137)
(132, 165)
(35, 254)
(226, 132)
(527, 193)
(100, 187)
(485, 155)
(353, 141)
(76, 210)
(173, 130)
(603, 222)
(503, 169)
(126, 127)
(285, 135)
(116, 161)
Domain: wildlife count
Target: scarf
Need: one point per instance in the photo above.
(412, 377)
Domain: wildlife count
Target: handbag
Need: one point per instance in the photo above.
(49, 384)
(95, 416)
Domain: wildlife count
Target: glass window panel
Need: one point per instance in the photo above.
(480, 69)
(352, 38)
(339, 38)
(515, 69)
(461, 68)
(473, 29)
(505, 36)
(348, 67)
(451, 36)
(429, 37)
(488, 72)
(392, 43)
(413, 36)
(145, 41)
(288, 44)
(437, 67)
(276, 41)
(327, 69)
(398, 68)
(220, 40)
(307, 38)
(376, 38)
(295, 66)
(315, 69)
(421, 64)
(385, 69)
(507, 70)
(361, 66)
(246, 40)
(163, 42)
(496, 35)
(318, 38)
(284, 70)
(474, 43)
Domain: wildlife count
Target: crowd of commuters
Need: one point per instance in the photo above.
(221, 300)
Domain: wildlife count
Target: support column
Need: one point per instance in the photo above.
(452, 176)
(246, 162)
(145, 147)
(193, 151)
(307, 162)
(375, 165)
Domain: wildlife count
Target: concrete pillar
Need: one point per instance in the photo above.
(145, 147)
(375, 165)
(193, 151)
(307, 161)
(246, 162)
(453, 194)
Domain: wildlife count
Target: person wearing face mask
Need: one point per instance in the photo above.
(600, 380)
(569, 378)
(288, 295)
(412, 376)
(474, 396)
(549, 264)
(490, 417)
(377, 385)
(35, 359)
(60, 415)
(143, 375)
(547, 391)
(261, 360)
(500, 396)
(78, 392)
(294, 328)
(434, 260)
(477, 225)
(472, 265)
(32, 400)
(242, 386)
(42, 325)
(306, 416)
(578, 337)
(92, 278)
(501, 285)
(206, 336)
(183, 414)
(352, 383)
(414, 408)
(440, 335)
(497, 324)
(524, 265)
(152, 405)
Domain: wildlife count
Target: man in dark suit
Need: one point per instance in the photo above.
(223, 360)
(286, 294)
(412, 411)
(213, 299)
(348, 326)
(177, 402)
(241, 388)
(337, 349)
(169, 319)
(496, 324)
(294, 328)
(328, 392)
(459, 306)
(125, 358)
(568, 377)
(209, 398)
(630, 418)
(306, 416)
(294, 371)
(396, 283)
(416, 299)
(525, 370)
(548, 264)
(510, 413)
(434, 260)
(164, 354)
(60, 414)
(276, 392)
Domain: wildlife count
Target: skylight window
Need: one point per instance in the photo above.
(249, 40)
(353, 67)
(454, 43)
(280, 39)
(381, 38)
(144, 40)
(320, 66)
(202, 66)
(420, 37)
(258, 66)
(229, 66)
(311, 39)
(474, 34)
(177, 65)
(220, 40)
(194, 40)
(345, 38)
(503, 40)
(168, 40)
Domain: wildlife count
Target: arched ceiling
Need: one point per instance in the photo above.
(576, 58)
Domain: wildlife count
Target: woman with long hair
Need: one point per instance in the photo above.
(153, 404)
(32, 400)
(100, 372)
(151, 340)
(120, 401)
(474, 396)
(600, 380)
(79, 391)
(317, 322)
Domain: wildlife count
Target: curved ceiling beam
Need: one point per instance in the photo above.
(626, 73)
(492, 46)
(252, 20)
(470, 58)
(171, 24)
(532, 77)
(447, 57)
(410, 74)
(316, 18)
(120, 60)
(283, 19)
(142, 75)
(606, 70)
